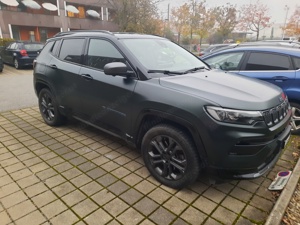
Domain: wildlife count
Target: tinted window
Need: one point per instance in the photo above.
(55, 47)
(267, 61)
(227, 61)
(46, 48)
(296, 61)
(101, 52)
(33, 47)
(71, 50)
(13, 46)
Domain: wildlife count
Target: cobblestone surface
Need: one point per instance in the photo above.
(78, 175)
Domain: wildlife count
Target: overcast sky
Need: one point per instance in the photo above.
(276, 7)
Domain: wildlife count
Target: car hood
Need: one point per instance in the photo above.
(226, 89)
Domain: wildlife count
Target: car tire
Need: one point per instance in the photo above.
(49, 108)
(16, 64)
(170, 156)
(295, 120)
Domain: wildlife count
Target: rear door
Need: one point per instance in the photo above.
(8, 53)
(272, 67)
(63, 72)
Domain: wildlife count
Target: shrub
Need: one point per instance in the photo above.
(5, 41)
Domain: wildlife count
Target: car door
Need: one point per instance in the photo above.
(64, 72)
(8, 53)
(272, 67)
(105, 99)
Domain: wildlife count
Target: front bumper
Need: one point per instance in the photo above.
(274, 148)
(244, 152)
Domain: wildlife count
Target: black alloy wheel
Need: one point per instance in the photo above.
(170, 156)
(49, 108)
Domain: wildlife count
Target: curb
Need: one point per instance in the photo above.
(284, 199)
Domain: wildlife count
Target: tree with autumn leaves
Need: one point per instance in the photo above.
(254, 17)
(293, 26)
(192, 18)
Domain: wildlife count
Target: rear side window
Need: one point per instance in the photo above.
(46, 49)
(267, 61)
(101, 52)
(71, 50)
(55, 48)
(296, 61)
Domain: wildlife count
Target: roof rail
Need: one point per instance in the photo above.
(77, 31)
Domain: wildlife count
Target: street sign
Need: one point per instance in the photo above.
(280, 181)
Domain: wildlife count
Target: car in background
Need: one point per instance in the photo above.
(1, 64)
(255, 43)
(277, 65)
(21, 53)
(288, 43)
(212, 48)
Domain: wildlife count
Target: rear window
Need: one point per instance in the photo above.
(33, 47)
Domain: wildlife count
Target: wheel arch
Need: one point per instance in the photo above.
(152, 118)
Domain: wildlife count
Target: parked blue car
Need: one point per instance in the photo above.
(277, 65)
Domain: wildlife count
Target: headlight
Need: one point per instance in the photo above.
(234, 116)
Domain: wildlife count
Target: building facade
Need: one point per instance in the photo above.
(38, 20)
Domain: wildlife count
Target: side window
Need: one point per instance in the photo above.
(227, 61)
(55, 47)
(267, 61)
(71, 50)
(101, 52)
(46, 49)
(13, 46)
(296, 61)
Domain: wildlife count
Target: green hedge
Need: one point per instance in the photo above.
(5, 41)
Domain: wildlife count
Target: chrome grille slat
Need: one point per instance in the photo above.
(275, 115)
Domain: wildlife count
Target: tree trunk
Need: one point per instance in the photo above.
(257, 35)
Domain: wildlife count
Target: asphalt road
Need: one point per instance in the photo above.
(16, 89)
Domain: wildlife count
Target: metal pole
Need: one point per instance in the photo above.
(284, 26)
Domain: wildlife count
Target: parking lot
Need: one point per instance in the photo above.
(75, 174)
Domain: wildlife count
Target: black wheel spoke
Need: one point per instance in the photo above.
(167, 157)
(171, 146)
(157, 146)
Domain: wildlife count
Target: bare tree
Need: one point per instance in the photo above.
(254, 17)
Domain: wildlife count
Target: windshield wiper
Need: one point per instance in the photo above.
(196, 69)
(165, 72)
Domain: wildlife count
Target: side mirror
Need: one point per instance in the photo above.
(117, 68)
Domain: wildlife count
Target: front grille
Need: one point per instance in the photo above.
(275, 115)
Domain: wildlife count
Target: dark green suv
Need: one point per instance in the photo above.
(182, 115)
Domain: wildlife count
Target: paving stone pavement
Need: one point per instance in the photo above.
(75, 174)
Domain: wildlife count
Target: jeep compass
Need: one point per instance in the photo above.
(147, 90)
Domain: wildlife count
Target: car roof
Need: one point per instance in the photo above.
(257, 47)
(97, 33)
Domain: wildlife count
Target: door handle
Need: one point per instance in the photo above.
(280, 78)
(53, 66)
(87, 77)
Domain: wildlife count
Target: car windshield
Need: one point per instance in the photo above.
(164, 55)
(33, 47)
